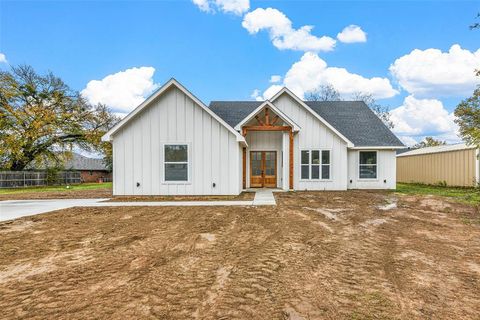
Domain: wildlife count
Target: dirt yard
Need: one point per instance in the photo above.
(317, 255)
(107, 193)
(244, 196)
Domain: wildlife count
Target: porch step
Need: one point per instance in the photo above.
(264, 197)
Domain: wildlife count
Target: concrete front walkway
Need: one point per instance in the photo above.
(13, 209)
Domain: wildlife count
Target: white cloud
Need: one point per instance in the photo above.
(237, 7)
(3, 58)
(271, 91)
(256, 95)
(408, 141)
(352, 34)
(423, 117)
(122, 91)
(121, 115)
(433, 73)
(275, 78)
(282, 34)
(203, 5)
(311, 72)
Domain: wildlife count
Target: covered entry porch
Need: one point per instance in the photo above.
(268, 159)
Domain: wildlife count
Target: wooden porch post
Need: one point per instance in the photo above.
(290, 151)
(244, 164)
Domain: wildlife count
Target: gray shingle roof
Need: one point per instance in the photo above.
(79, 162)
(356, 121)
(75, 162)
(233, 112)
(353, 119)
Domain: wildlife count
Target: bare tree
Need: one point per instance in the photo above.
(476, 25)
(329, 93)
(324, 93)
(383, 112)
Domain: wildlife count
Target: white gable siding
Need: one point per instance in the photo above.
(315, 135)
(386, 171)
(214, 153)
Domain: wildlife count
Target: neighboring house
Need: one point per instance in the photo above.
(454, 165)
(174, 144)
(91, 169)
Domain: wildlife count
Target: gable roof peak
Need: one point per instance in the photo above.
(278, 112)
(172, 82)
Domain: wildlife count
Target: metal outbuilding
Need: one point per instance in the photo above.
(453, 165)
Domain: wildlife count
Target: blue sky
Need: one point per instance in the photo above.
(225, 50)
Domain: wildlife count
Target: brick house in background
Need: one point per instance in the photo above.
(91, 169)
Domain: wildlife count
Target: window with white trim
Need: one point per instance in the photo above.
(315, 164)
(176, 162)
(367, 165)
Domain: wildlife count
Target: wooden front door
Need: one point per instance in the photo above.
(263, 169)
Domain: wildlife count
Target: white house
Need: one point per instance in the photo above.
(173, 144)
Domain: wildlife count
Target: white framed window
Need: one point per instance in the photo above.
(367, 162)
(175, 163)
(315, 164)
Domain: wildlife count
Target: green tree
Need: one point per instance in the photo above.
(429, 142)
(467, 118)
(41, 118)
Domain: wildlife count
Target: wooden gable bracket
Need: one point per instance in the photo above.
(266, 121)
(259, 121)
(275, 120)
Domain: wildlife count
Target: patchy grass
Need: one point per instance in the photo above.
(76, 187)
(465, 195)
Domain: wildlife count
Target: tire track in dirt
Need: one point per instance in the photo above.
(286, 262)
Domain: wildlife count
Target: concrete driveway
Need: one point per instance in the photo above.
(13, 209)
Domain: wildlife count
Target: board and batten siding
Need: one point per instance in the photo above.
(386, 167)
(315, 135)
(456, 168)
(138, 153)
